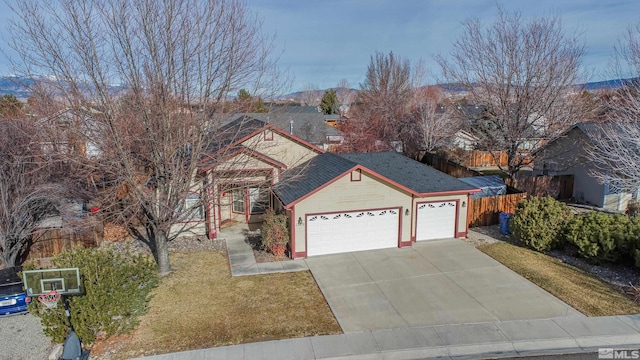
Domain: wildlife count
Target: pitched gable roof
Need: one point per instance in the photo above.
(233, 133)
(421, 178)
(309, 126)
(410, 175)
(592, 130)
(310, 176)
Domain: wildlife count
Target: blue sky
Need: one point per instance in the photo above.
(325, 41)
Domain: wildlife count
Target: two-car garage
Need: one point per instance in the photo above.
(352, 231)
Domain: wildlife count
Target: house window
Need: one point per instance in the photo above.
(268, 135)
(259, 200)
(356, 175)
(193, 210)
(238, 200)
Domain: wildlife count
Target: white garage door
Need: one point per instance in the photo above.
(436, 220)
(352, 231)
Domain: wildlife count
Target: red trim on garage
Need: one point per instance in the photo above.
(399, 209)
(356, 167)
(455, 225)
(356, 175)
(292, 225)
(293, 203)
(414, 220)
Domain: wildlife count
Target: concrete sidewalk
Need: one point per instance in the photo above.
(468, 341)
(241, 259)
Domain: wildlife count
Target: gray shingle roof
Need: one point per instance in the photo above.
(309, 126)
(233, 131)
(313, 174)
(412, 174)
(309, 176)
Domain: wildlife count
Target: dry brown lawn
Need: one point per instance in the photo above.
(200, 306)
(582, 291)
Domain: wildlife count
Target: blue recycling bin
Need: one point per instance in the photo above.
(504, 223)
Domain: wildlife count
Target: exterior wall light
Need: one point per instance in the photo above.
(464, 204)
(406, 212)
(299, 221)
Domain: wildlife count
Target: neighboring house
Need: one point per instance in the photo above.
(68, 124)
(240, 170)
(465, 140)
(568, 155)
(351, 202)
(478, 128)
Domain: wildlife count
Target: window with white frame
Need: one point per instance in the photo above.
(259, 199)
(238, 200)
(193, 209)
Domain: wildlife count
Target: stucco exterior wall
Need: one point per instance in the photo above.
(280, 148)
(346, 195)
(570, 156)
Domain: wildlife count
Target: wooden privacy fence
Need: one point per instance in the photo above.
(49, 242)
(486, 211)
(448, 166)
(559, 187)
(477, 159)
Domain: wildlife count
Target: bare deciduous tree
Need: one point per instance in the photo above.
(383, 102)
(311, 95)
(617, 147)
(345, 97)
(32, 187)
(174, 62)
(435, 119)
(522, 72)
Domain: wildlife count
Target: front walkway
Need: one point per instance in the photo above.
(242, 261)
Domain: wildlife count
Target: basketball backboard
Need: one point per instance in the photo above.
(65, 281)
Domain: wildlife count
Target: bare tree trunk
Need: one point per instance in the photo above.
(162, 249)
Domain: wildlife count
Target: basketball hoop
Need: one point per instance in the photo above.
(50, 299)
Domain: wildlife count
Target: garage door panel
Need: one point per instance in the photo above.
(436, 220)
(352, 231)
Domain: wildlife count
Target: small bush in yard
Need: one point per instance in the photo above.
(115, 286)
(539, 222)
(275, 233)
(603, 237)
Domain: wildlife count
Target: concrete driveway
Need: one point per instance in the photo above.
(432, 283)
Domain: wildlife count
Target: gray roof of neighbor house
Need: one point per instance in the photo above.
(593, 130)
(233, 131)
(396, 168)
(297, 120)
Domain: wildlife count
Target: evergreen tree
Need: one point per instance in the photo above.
(329, 103)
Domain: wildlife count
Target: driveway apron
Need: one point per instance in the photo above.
(439, 282)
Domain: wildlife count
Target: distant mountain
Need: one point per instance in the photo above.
(16, 86)
(301, 95)
(607, 84)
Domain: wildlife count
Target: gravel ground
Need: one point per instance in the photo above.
(21, 338)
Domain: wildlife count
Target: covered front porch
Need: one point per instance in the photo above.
(239, 199)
